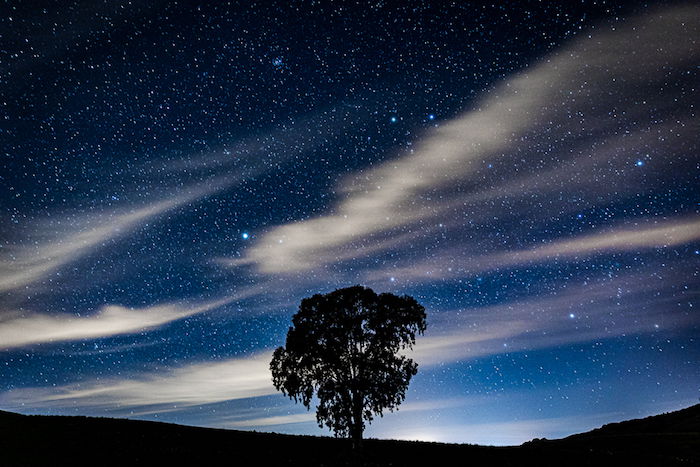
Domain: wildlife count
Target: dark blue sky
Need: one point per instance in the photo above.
(177, 176)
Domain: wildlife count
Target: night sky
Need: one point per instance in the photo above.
(176, 176)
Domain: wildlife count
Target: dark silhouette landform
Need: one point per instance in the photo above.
(670, 439)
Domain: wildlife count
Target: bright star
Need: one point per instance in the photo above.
(639, 163)
(245, 235)
(431, 117)
(572, 316)
(393, 119)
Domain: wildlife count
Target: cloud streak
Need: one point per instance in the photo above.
(21, 265)
(186, 386)
(585, 313)
(563, 102)
(643, 234)
(110, 320)
(274, 420)
(671, 233)
(310, 417)
(52, 245)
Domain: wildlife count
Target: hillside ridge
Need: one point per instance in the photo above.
(80, 440)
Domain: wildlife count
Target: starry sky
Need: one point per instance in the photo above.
(176, 176)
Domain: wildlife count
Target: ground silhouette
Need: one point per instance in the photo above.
(671, 439)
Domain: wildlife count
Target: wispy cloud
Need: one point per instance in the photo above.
(190, 385)
(249, 156)
(563, 103)
(61, 239)
(272, 421)
(435, 404)
(310, 417)
(34, 328)
(459, 261)
(584, 313)
(21, 265)
(666, 234)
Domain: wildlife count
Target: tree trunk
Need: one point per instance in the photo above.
(357, 425)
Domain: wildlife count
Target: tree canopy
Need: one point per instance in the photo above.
(343, 347)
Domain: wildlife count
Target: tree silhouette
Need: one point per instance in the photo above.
(343, 347)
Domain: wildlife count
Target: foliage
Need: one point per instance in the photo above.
(344, 348)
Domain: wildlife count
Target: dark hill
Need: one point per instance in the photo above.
(671, 439)
(681, 421)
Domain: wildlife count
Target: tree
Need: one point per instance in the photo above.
(344, 348)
